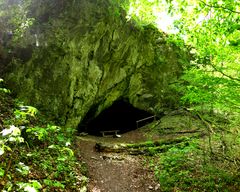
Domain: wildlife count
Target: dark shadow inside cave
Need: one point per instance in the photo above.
(120, 116)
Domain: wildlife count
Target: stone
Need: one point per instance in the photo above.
(150, 187)
(93, 57)
(157, 187)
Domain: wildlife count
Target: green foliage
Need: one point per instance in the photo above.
(211, 30)
(35, 156)
(173, 172)
(31, 186)
(187, 168)
(3, 90)
(209, 88)
(24, 114)
(141, 11)
(22, 169)
(2, 172)
(51, 183)
(204, 91)
(14, 18)
(42, 133)
(8, 137)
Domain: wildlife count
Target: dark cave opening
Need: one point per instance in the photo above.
(120, 116)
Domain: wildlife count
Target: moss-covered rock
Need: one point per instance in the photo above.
(91, 55)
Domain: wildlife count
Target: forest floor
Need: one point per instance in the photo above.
(115, 172)
(120, 172)
(177, 153)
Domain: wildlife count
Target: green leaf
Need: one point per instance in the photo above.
(2, 172)
(70, 151)
(1, 150)
(5, 90)
(35, 184)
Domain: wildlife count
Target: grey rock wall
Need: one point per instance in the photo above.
(91, 56)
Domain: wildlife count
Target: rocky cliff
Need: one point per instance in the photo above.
(88, 55)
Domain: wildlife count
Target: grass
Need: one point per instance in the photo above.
(193, 168)
(208, 162)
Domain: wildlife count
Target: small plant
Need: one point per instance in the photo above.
(52, 183)
(35, 155)
(11, 135)
(3, 90)
(22, 169)
(29, 151)
(9, 140)
(31, 186)
(24, 114)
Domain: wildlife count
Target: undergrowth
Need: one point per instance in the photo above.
(211, 163)
(35, 155)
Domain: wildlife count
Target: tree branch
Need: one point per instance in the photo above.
(220, 7)
(224, 74)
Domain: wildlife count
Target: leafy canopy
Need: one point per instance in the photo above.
(211, 28)
(14, 18)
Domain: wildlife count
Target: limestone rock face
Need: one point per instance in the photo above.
(90, 55)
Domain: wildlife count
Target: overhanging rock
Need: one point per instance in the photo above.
(92, 57)
(120, 116)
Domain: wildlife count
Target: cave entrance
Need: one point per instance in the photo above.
(120, 116)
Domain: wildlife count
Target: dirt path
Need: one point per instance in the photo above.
(112, 172)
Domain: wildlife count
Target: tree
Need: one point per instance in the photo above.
(14, 20)
(212, 30)
(210, 86)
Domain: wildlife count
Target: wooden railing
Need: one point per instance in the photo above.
(145, 119)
